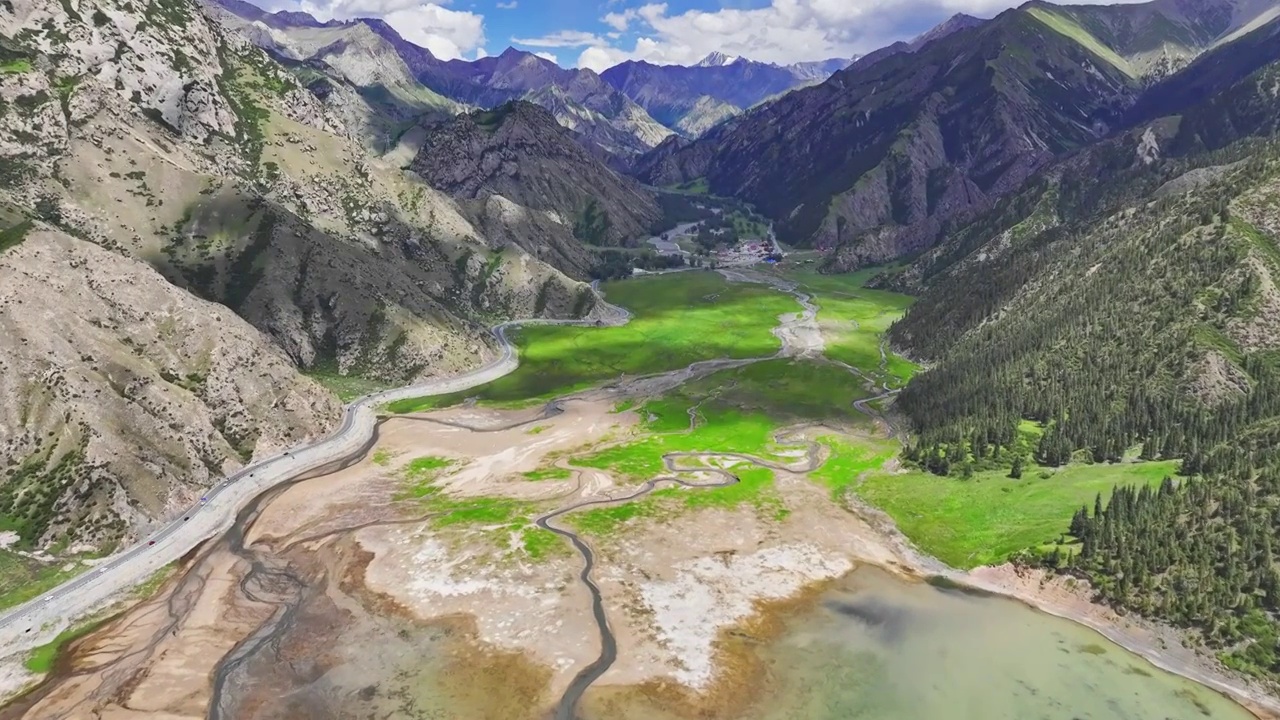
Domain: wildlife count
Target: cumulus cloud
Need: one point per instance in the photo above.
(619, 20)
(448, 34)
(548, 56)
(785, 31)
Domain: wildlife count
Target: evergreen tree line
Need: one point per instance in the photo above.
(1199, 553)
(1099, 334)
(1103, 327)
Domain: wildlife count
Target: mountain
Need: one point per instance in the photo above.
(954, 24)
(1222, 67)
(189, 234)
(819, 70)
(881, 155)
(716, 59)
(580, 99)
(519, 154)
(691, 100)
(876, 155)
(1151, 40)
(351, 68)
(1124, 303)
(391, 72)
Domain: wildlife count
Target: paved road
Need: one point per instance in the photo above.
(39, 620)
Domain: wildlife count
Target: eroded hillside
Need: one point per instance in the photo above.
(145, 143)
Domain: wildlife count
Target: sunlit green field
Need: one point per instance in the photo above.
(853, 319)
(982, 520)
(735, 411)
(686, 317)
(679, 319)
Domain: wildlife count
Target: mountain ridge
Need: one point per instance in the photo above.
(872, 179)
(692, 99)
(599, 113)
(204, 225)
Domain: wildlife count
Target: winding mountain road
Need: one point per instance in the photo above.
(41, 619)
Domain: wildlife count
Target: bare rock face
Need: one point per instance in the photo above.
(521, 153)
(119, 391)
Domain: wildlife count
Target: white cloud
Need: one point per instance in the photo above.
(561, 38)
(785, 31)
(448, 34)
(548, 56)
(507, 5)
(619, 21)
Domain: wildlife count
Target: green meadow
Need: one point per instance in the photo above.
(854, 317)
(733, 411)
(984, 519)
(686, 317)
(679, 319)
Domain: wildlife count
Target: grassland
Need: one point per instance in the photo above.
(696, 186)
(15, 66)
(850, 460)
(1061, 23)
(678, 319)
(980, 521)
(41, 659)
(854, 318)
(736, 411)
(547, 474)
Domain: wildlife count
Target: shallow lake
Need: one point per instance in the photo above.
(881, 648)
(878, 647)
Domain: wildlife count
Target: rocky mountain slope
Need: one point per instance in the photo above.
(879, 153)
(350, 67)
(186, 225)
(518, 153)
(392, 72)
(951, 25)
(121, 396)
(691, 100)
(885, 152)
(1125, 303)
(1153, 39)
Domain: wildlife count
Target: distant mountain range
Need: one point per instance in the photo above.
(692, 100)
(873, 162)
(627, 111)
(405, 80)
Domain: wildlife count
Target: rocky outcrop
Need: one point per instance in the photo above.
(137, 139)
(122, 396)
(520, 153)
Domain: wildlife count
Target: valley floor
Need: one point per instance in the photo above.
(722, 461)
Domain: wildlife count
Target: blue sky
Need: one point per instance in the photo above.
(601, 33)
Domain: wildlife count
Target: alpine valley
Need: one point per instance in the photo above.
(341, 380)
